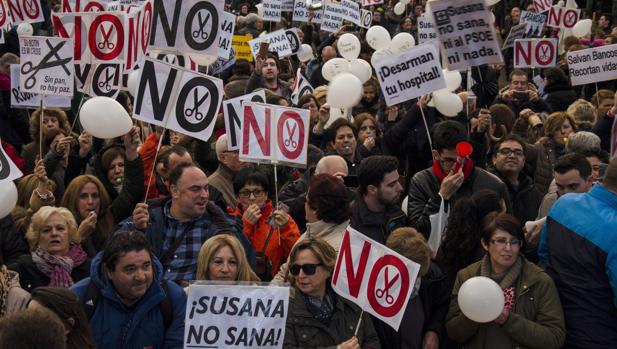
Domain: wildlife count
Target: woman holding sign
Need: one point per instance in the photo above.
(318, 317)
(532, 316)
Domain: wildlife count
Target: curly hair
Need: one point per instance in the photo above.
(328, 196)
(35, 121)
(42, 216)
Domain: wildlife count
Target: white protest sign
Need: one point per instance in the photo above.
(177, 98)
(332, 17)
(33, 100)
(366, 18)
(235, 316)
(374, 277)
(371, 2)
(99, 79)
(593, 65)
(8, 170)
(222, 64)
(301, 13)
(4, 17)
(139, 27)
(351, 11)
(294, 39)
(466, 31)
(256, 140)
(542, 5)
(46, 65)
(278, 43)
(291, 137)
(28, 11)
(272, 10)
(233, 114)
(535, 53)
(535, 23)
(301, 87)
(517, 32)
(287, 5)
(426, 30)
(227, 31)
(187, 26)
(410, 74)
(563, 17)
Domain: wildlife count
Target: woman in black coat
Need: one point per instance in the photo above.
(557, 92)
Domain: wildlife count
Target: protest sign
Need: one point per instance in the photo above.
(4, 18)
(46, 65)
(517, 32)
(301, 87)
(371, 2)
(301, 13)
(466, 31)
(139, 27)
(8, 170)
(294, 39)
(563, 17)
(593, 65)
(351, 11)
(99, 79)
(233, 114)
(236, 316)
(177, 58)
(187, 26)
(535, 23)
(177, 98)
(222, 64)
(366, 18)
(426, 30)
(410, 74)
(287, 5)
(374, 277)
(227, 31)
(278, 43)
(332, 17)
(535, 53)
(241, 46)
(21, 99)
(542, 5)
(25, 11)
(272, 10)
(274, 134)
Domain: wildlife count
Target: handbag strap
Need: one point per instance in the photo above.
(174, 246)
(263, 249)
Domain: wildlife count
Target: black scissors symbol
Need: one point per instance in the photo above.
(202, 27)
(385, 291)
(106, 42)
(105, 84)
(29, 68)
(197, 103)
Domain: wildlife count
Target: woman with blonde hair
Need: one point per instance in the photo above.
(223, 258)
(56, 257)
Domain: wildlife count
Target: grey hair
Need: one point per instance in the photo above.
(582, 141)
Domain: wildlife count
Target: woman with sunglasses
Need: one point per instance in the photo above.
(318, 317)
(532, 316)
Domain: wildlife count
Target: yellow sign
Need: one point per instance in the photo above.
(240, 43)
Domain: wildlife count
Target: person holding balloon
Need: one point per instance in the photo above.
(504, 301)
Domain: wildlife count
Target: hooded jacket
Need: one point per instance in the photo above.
(114, 325)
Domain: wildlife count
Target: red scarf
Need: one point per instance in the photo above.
(440, 174)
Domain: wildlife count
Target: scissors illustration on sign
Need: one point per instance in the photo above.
(106, 42)
(197, 103)
(290, 141)
(105, 84)
(384, 292)
(202, 27)
(46, 62)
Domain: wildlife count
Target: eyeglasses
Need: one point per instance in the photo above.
(503, 242)
(309, 268)
(256, 193)
(508, 152)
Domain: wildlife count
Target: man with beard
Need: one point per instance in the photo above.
(266, 75)
(376, 210)
(176, 228)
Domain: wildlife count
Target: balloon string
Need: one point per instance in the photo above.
(81, 102)
(428, 132)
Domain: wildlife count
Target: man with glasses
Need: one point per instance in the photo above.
(440, 182)
(508, 163)
(229, 165)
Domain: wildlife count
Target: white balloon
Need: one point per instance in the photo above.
(481, 299)
(402, 42)
(260, 9)
(105, 118)
(305, 53)
(380, 55)
(203, 60)
(360, 69)
(25, 29)
(348, 46)
(335, 113)
(333, 67)
(8, 193)
(344, 91)
(582, 28)
(447, 103)
(133, 81)
(405, 1)
(453, 79)
(378, 37)
(399, 8)
(491, 2)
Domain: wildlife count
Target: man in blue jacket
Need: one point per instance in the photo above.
(578, 246)
(129, 304)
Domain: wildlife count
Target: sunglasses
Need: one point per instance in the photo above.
(309, 268)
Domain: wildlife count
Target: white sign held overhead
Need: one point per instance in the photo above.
(593, 65)
(278, 41)
(332, 17)
(517, 32)
(366, 18)
(563, 17)
(21, 99)
(227, 31)
(351, 11)
(301, 87)
(535, 23)
(28, 11)
(272, 10)
(426, 30)
(233, 114)
(542, 5)
(46, 65)
(291, 138)
(466, 32)
(301, 13)
(410, 74)
(8, 170)
(535, 53)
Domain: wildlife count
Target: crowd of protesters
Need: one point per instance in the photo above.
(83, 222)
